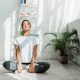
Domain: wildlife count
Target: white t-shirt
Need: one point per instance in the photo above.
(26, 45)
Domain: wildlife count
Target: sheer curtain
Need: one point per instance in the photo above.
(53, 15)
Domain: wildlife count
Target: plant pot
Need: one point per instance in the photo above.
(64, 59)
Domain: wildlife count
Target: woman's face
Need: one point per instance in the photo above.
(26, 26)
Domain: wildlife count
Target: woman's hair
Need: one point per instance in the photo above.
(24, 21)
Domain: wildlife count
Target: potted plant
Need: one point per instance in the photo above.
(66, 43)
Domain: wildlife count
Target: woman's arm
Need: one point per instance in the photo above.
(18, 57)
(32, 65)
(34, 54)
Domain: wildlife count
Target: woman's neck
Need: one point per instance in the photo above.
(27, 33)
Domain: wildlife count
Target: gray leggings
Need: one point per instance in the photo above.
(40, 67)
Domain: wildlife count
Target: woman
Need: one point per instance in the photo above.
(26, 52)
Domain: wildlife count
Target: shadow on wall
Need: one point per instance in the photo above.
(75, 24)
(7, 7)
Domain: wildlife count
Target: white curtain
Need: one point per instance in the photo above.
(53, 15)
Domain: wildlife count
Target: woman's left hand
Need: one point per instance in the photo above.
(31, 68)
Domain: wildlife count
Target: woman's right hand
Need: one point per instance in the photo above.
(19, 68)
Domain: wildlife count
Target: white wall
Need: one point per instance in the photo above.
(7, 8)
(53, 16)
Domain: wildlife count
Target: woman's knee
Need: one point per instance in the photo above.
(46, 64)
(42, 67)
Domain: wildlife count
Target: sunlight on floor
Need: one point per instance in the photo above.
(0, 66)
(23, 76)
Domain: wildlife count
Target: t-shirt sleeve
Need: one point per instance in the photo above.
(38, 42)
(35, 41)
(16, 41)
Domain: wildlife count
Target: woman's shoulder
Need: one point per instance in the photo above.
(18, 37)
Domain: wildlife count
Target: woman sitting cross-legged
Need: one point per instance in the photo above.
(26, 52)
